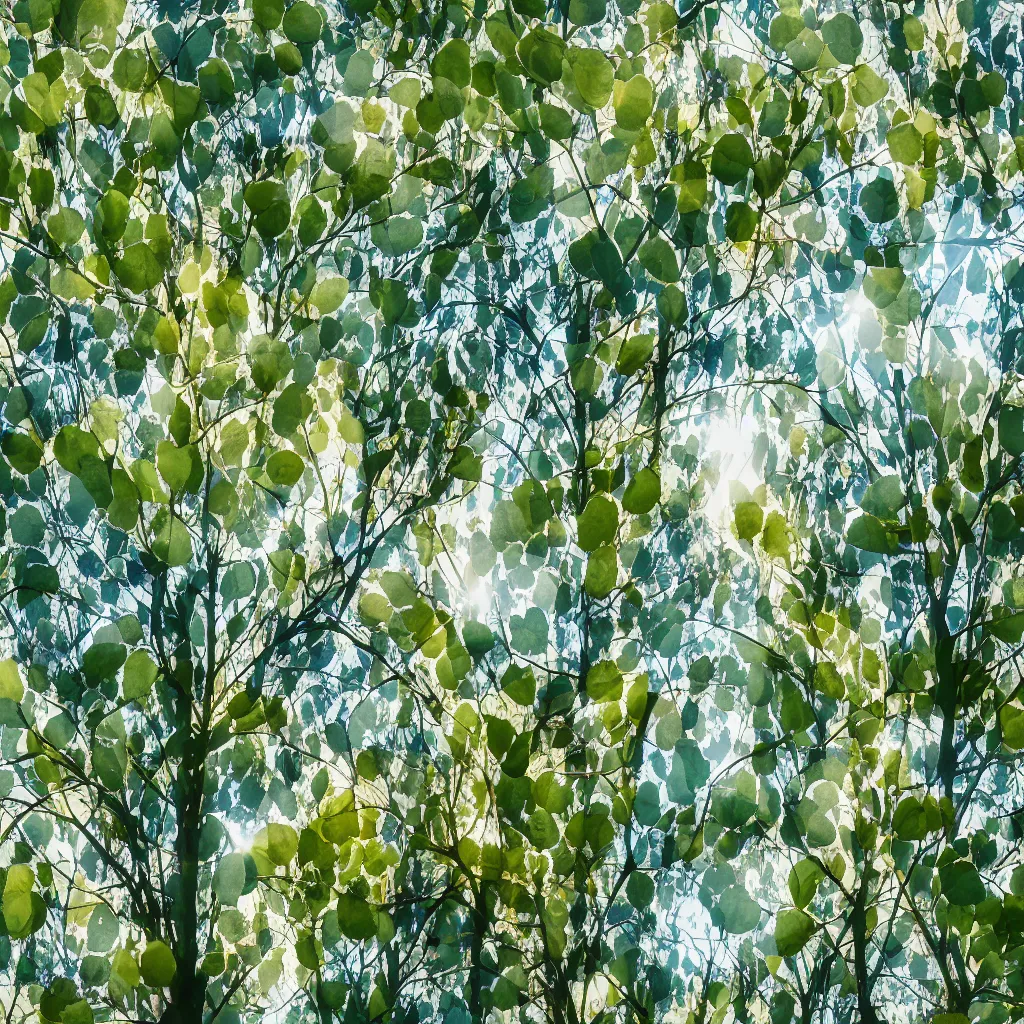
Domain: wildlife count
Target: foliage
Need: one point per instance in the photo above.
(511, 512)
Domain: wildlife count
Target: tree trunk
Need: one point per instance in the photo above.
(476, 954)
(859, 927)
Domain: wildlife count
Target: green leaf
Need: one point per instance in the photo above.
(229, 880)
(1011, 429)
(172, 542)
(139, 270)
(884, 497)
(598, 524)
(18, 905)
(593, 76)
(602, 572)
(175, 465)
(604, 682)
(804, 878)
(587, 12)
(804, 51)
(541, 52)
(22, 452)
(139, 675)
(961, 883)
(793, 928)
(282, 843)
(775, 536)
(544, 832)
(870, 534)
(291, 409)
(268, 13)
(731, 159)
(883, 284)
(285, 468)
(1012, 726)
(519, 683)
(749, 519)
(906, 145)
(66, 226)
(633, 102)
(741, 222)
(643, 492)
(102, 662)
(268, 200)
(634, 354)
(910, 820)
(453, 62)
(465, 464)
(11, 686)
(659, 260)
(157, 964)
(328, 295)
(303, 23)
(868, 88)
(355, 918)
(73, 447)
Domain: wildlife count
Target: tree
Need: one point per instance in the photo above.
(206, 450)
(511, 512)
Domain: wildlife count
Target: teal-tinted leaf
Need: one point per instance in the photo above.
(647, 804)
(879, 201)
(478, 640)
(740, 914)
(843, 36)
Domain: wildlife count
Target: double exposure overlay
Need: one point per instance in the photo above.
(511, 512)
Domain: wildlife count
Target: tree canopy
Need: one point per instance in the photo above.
(511, 512)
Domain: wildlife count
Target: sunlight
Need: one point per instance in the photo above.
(733, 444)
